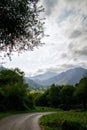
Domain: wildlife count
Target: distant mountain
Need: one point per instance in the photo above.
(71, 76)
(43, 76)
(32, 84)
(36, 81)
(2, 68)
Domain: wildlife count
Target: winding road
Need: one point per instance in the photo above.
(21, 122)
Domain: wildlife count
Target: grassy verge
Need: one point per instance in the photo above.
(45, 109)
(65, 120)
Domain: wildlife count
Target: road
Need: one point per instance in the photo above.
(21, 122)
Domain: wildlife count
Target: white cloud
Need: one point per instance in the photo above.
(66, 23)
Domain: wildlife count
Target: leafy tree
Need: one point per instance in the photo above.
(53, 96)
(11, 77)
(41, 99)
(13, 90)
(66, 96)
(81, 92)
(20, 26)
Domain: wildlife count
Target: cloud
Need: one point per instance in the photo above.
(49, 5)
(85, 21)
(66, 23)
(76, 51)
(81, 51)
(66, 13)
(75, 34)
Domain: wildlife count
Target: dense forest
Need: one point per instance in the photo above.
(15, 93)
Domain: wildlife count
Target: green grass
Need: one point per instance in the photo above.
(45, 109)
(65, 120)
(2, 115)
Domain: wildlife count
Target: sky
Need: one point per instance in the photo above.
(66, 46)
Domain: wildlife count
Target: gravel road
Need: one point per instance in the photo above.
(21, 122)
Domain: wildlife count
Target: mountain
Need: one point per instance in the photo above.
(43, 76)
(36, 81)
(71, 76)
(2, 68)
(32, 84)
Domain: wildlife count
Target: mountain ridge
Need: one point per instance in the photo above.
(42, 81)
(43, 76)
(71, 76)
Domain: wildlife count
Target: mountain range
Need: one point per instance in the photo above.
(44, 76)
(71, 76)
(42, 81)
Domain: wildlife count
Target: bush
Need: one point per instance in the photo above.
(67, 125)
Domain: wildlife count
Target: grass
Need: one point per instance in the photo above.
(65, 120)
(2, 115)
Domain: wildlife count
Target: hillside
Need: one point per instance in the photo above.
(2, 68)
(43, 76)
(71, 76)
(32, 84)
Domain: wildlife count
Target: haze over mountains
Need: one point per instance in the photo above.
(44, 76)
(32, 84)
(71, 76)
(2, 68)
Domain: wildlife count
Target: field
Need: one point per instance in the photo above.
(65, 120)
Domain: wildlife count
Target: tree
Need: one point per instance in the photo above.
(53, 96)
(41, 99)
(66, 96)
(81, 92)
(13, 91)
(20, 26)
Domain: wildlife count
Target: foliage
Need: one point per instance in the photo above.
(66, 96)
(53, 96)
(57, 97)
(41, 99)
(20, 26)
(65, 120)
(81, 92)
(13, 91)
(15, 94)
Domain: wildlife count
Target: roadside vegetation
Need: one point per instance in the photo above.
(65, 120)
(14, 93)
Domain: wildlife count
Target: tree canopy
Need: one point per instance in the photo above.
(14, 91)
(20, 26)
(81, 91)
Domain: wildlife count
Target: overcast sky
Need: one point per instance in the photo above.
(66, 47)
